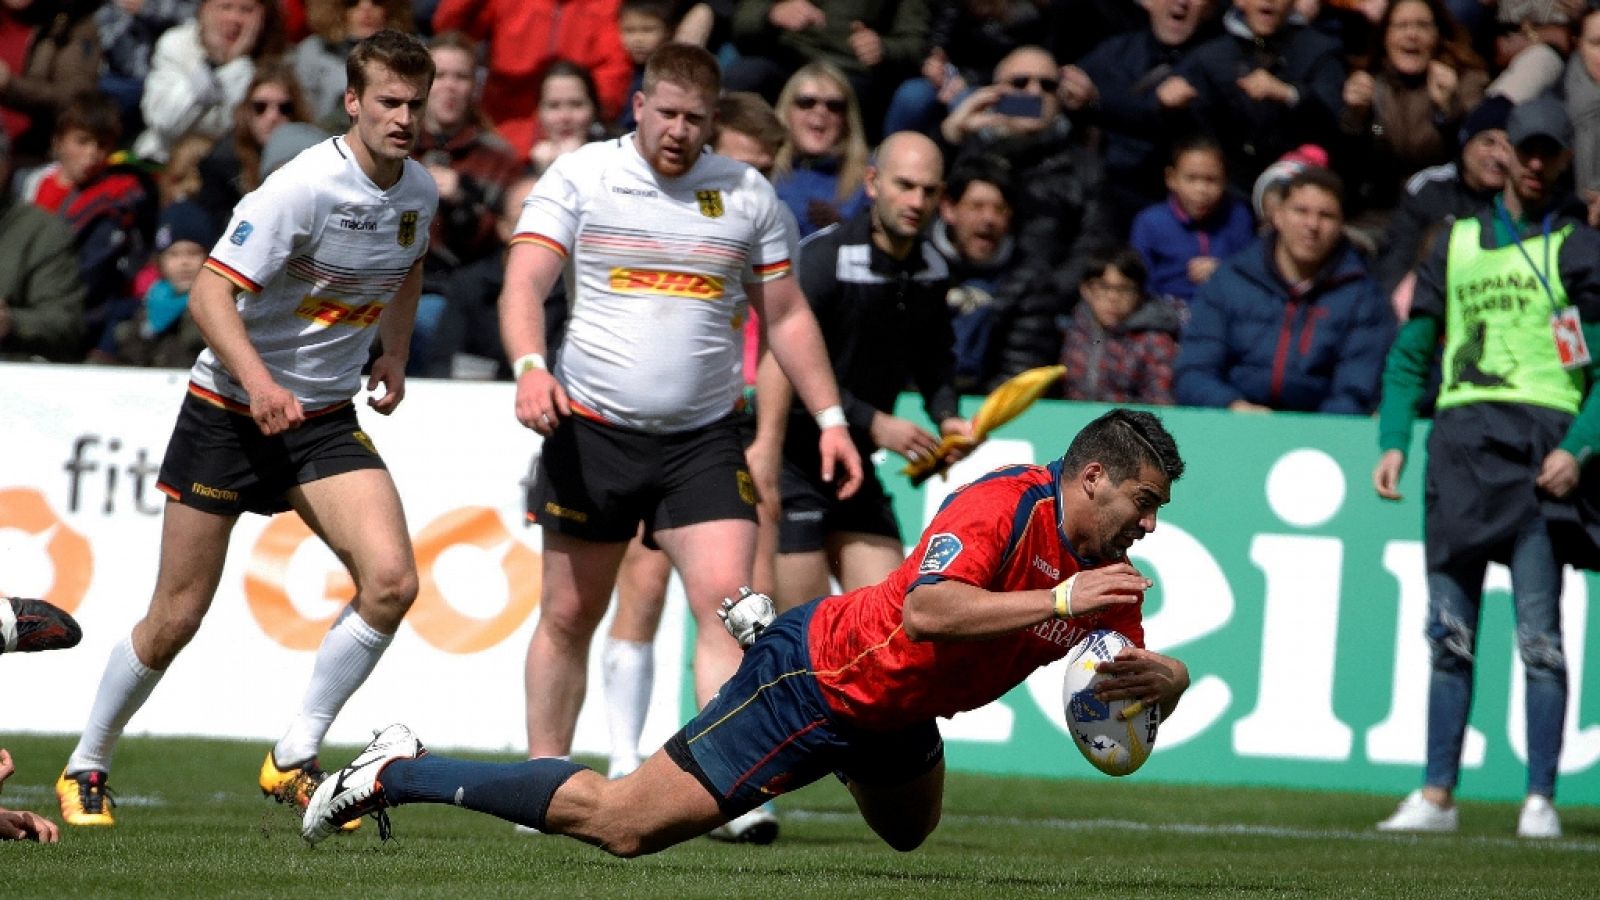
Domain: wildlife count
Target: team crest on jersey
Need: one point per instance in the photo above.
(241, 234)
(710, 203)
(943, 548)
(408, 228)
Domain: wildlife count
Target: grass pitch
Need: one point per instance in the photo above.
(192, 823)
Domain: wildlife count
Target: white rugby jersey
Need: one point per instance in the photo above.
(655, 269)
(317, 252)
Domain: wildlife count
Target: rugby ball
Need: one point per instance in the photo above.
(1114, 745)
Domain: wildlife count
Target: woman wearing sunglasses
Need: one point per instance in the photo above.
(233, 167)
(819, 171)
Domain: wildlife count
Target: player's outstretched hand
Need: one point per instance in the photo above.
(839, 457)
(18, 825)
(275, 409)
(6, 765)
(391, 373)
(1143, 676)
(541, 401)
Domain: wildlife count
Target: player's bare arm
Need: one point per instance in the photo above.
(211, 303)
(531, 271)
(764, 456)
(953, 610)
(796, 342)
(394, 328)
(1146, 676)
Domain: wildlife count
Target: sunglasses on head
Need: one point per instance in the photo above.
(284, 107)
(832, 104)
(1021, 82)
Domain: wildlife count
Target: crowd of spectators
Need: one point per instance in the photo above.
(1183, 201)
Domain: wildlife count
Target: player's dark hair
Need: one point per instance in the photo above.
(403, 54)
(984, 167)
(747, 113)
(95, 113)
(1124, 441)
(685, 65)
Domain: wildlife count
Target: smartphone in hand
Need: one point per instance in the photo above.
(1022, 106)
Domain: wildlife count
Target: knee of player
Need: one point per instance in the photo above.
(392, 586)
(908, 837)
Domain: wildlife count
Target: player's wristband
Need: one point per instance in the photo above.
(1063, 597)
(526, 364)
(831, 417)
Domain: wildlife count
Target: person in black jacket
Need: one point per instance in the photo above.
(1059, 219)
(1114, 87)
(878, 291)
(1439, 195)
(1267, 85)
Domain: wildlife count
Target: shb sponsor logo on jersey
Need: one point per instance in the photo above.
(241, 234)
(665, 283)
(408, 228)
(710, 203)
(943, 548)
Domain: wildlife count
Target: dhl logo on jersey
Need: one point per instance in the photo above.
(329, 312)
(670, 284)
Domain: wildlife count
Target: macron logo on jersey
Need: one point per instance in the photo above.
(943, 548)
(241, 234)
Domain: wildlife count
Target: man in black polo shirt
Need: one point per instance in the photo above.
(878, 291)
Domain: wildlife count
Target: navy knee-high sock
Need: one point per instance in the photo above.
(517, 792)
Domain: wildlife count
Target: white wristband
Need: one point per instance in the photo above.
(525, 363)
(830, 417)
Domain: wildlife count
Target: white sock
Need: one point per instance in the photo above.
(629, 670)
(124, 687)
(347, 656)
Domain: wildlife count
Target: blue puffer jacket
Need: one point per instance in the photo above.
(1250, 337)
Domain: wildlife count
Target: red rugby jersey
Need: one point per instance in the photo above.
(1000, 533)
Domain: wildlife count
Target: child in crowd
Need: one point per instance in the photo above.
(645, 25)
(1184, 239)
(110, 206)
(162, 333)
(1120, 343)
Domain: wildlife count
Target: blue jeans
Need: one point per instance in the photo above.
(1455, 598)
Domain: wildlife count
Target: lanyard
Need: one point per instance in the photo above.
(1516, 238)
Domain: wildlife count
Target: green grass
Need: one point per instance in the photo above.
(193, 824)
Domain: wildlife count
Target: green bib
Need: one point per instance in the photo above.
(1498, 344)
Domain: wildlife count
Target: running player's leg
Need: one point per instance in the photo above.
(194, 545)
(714, 559)
(358, 515)
(802, 576)
(578, 578)
(863, 540)
(802, 563)
(628, 660)
(864, 559)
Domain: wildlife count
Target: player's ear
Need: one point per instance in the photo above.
(1092, 478)
(352, 103)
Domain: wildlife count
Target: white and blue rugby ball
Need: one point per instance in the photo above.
(1114, 745)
